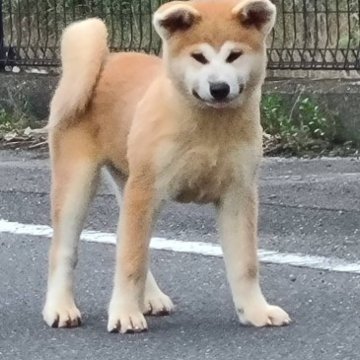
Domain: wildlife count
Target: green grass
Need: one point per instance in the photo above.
(6, 122)
(14, 121)
(302, 128)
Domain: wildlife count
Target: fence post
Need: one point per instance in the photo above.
(2, 41)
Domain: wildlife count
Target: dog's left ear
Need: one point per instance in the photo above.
(260, 14)
(174, 17)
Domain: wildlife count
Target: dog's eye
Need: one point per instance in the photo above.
(233, 56)
(200, 58)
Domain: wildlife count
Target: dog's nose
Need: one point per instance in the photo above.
(219, 90)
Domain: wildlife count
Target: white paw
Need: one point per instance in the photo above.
(61, 314)
(269, 315)
(126, 319)
(158, 304)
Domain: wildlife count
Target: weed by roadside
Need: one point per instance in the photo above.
(302, 129)
(17, 131)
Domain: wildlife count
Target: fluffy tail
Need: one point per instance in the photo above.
(83, 52)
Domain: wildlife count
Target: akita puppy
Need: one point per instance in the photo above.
(185, 127)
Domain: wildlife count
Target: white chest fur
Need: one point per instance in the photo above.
(203, 173)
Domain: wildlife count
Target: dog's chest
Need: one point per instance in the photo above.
(198, 174)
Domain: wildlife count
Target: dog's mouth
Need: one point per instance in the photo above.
(214, 103)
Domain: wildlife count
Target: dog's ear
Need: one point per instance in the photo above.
(260, 14)
(174, 17)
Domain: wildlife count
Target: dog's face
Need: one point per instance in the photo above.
(215, 50)
(216, 77)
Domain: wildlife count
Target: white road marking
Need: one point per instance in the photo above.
(193, 247)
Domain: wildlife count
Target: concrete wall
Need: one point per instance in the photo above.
(31, 93)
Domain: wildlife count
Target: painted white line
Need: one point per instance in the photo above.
(193, 247)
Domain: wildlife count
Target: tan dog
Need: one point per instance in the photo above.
(186, 127)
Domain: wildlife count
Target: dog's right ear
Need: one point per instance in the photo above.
(174, 17)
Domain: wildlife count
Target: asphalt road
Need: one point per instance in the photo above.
(308, 207)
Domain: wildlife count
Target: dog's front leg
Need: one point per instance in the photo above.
(238, 230)
(136, 221)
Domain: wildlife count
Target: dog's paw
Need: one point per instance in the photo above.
(125, 319)
(61, 315)
(270, 315)
(158, 304)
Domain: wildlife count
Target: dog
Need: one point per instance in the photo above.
(182, 127)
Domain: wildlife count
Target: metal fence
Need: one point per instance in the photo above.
(309, 34)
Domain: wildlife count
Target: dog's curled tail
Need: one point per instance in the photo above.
(83, 52)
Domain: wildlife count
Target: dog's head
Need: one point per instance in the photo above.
(214, 50)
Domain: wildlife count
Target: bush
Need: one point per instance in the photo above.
(298, 129)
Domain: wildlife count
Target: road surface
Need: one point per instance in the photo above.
(309, 239)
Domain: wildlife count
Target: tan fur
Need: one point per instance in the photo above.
(81, 64)
(124, 111)
(213, 29)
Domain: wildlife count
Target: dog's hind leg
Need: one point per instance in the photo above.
(75, 173)
(156, 303)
